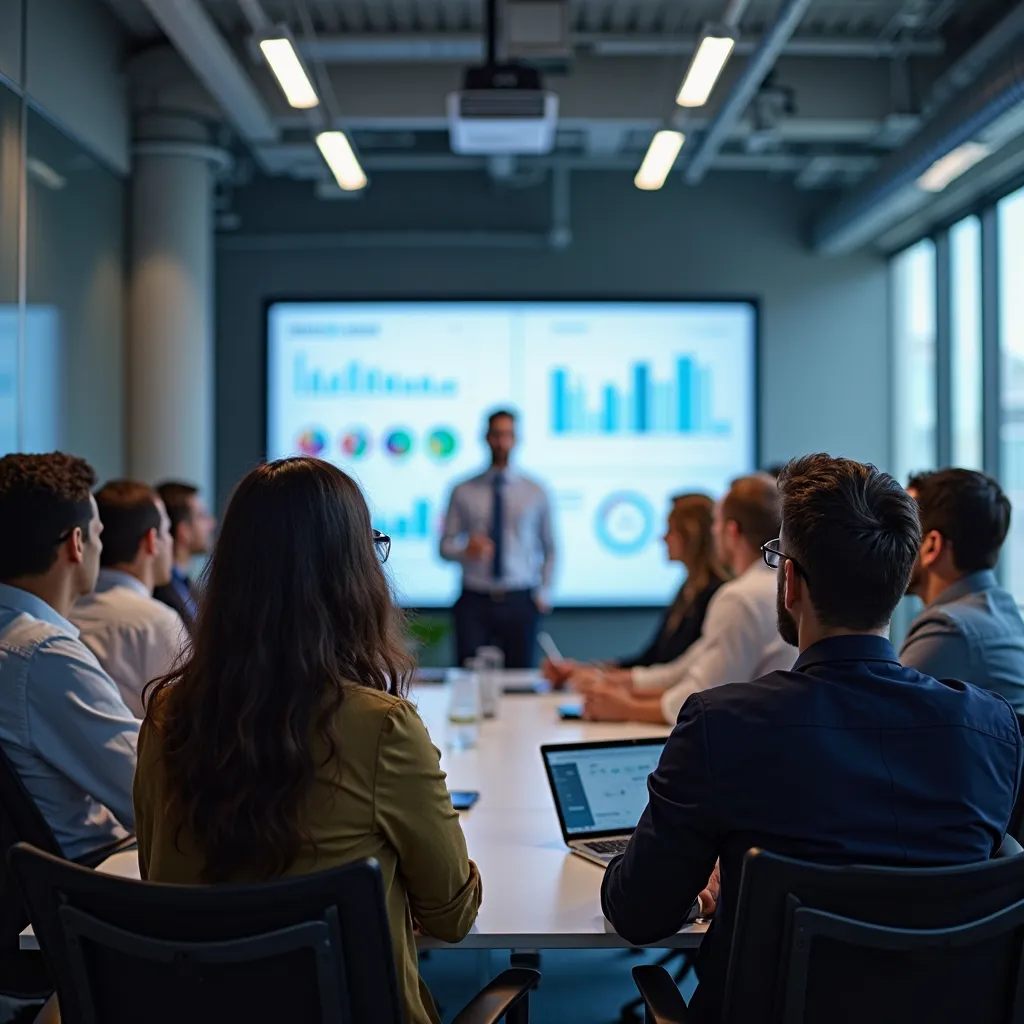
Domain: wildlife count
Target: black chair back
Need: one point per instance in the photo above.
(1016, 825)
(307, 950)
(845, 945)
(20, 822)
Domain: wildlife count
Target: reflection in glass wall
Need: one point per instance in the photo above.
(913, 335)
(74, 320)
(1011, 433)
(965, 342)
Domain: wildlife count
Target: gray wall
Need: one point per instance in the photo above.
(823, 380)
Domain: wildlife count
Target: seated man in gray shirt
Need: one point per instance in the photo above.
(63, 724)
(970, 628)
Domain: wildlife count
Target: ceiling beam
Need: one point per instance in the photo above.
(445, 48)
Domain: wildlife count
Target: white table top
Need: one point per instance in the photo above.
(536, 894)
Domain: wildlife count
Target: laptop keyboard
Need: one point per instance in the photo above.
(605, 846)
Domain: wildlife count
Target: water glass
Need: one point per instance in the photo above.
(489, 663)
(463, 708)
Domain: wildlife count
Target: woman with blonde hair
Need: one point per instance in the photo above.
(688, 539)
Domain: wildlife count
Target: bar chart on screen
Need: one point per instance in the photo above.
(414, 523)
(353, 377)
(680, 404)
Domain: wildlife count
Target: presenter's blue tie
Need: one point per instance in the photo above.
(498, 526)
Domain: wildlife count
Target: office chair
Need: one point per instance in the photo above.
(22, 973)
(845, 945)
(1016, 825)
(315, 949)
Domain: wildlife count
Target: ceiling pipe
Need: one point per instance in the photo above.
(734, 12)
(194, 35)
(753, 74)
(963, 71)
(458, 49)
(991, 110)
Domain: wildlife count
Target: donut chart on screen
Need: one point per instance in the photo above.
(620, 405)
(625, 522)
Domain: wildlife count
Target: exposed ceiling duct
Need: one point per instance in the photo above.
(757, 68)
(990, 111)
(194, 35)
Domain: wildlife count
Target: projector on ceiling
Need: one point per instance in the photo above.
(502, 108)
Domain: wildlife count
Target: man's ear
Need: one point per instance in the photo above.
(74, 546)
(794, 585)
(932, 547)
(149, 541)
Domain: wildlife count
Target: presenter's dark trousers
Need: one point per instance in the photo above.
(507, 620)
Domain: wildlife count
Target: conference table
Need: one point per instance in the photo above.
(536, 894)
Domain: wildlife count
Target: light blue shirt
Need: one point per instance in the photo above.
(528, 545)
(64, 726)
(972, 631)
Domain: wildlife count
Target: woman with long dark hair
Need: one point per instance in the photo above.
(283, 744)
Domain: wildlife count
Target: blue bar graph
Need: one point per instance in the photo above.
(355, 379)
(682, 405)
(413, 525)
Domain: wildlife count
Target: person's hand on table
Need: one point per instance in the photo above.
(709, 896)
(479, 547)
(585, 678)
(558, 672)
(606, 703)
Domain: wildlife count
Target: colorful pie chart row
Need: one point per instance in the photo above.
(355, 443)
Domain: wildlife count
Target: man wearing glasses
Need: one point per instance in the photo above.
(63, 724)
(738, 640)
(849, 758)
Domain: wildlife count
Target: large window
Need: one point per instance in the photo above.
(966, 444)
(915, 419)
(10, 316)
(1011, 399)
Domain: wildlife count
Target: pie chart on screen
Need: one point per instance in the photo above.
(442, 443)
(355, 443)
(398, 442)
(312, 442)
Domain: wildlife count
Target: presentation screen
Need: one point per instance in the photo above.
(620, 405)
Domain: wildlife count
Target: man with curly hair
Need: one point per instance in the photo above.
(63, 724)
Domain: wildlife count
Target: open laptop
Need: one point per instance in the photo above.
(600, 791)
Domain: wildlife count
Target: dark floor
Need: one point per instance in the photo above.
(578, 986)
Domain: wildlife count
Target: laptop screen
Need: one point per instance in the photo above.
(602, 789)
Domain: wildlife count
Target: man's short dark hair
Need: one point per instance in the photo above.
(177, 498)
(43, 498)
(854, 535)
(497, 415)
(969, 509)
(752, 503)
(128, 512)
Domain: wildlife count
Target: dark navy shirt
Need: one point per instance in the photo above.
(849, 758)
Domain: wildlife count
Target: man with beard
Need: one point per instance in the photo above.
(849, 758)
(970, 628)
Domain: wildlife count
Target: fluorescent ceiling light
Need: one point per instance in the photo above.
(711, 57)
(289, 71)
(947, 169)
(661, 155)
(341, 159)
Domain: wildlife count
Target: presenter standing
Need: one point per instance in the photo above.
(498, 528)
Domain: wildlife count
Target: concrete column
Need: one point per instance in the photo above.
(170, 317)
